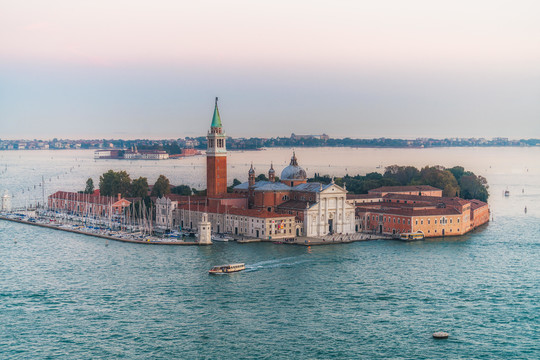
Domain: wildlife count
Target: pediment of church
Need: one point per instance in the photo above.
(334, 189)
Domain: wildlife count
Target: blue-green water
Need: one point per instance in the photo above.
(66, 296)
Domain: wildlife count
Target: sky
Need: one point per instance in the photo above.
(347, 68)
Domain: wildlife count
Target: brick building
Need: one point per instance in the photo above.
(87, 204)
(397, 212)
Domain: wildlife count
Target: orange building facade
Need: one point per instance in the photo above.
(435, 216)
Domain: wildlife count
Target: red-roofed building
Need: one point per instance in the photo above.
(420, 190)
(87, 204)
(238, 221)
(396, 213)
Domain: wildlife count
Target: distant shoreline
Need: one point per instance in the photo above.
(175, 146)
(304, 146)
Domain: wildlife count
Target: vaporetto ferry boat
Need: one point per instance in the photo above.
(412, 236)
(225, 269)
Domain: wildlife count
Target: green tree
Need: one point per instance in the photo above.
(181, 190)
(199, 192)
(373, 176)
(89, 186)
(474, 187)
(458, 172)
(440, 178)
(261, 177)
(139, 188)
(112, 183)
(172, 148)
(404, 175)
(235, 182)
(161, 186)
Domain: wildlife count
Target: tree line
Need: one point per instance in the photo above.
(113, 182)
(455, 181)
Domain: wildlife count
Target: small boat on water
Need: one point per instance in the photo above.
(506, 192)
(225, 269)
(412, 236)
(440, 335)
(221, 238)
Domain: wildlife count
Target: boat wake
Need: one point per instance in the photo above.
(277, 263)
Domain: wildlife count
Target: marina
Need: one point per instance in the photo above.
(102, 233)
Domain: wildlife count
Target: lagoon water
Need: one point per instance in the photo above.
(66, 296)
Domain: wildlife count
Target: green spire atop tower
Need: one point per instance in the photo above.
(216, 120)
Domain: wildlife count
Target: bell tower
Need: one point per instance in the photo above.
(216, 157)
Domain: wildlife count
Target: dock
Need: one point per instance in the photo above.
(248, 240)
(336, 239)
(312, 241)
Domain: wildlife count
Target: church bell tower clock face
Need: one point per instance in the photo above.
(216, 157)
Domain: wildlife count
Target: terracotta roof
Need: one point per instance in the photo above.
(428, 199)
(410, 211)
(87, 198)
(475, 204)
(424, 206)
(405, 188)
(295, 205)
(362, 196)
(227, 196)
(182, 198)
(232, 210)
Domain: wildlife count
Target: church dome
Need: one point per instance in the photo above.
(293, 171)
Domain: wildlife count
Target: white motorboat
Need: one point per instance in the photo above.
(220, 238)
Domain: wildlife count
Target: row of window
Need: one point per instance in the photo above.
(385, 219)
(220, 143)
(442, 220)
(436, 231)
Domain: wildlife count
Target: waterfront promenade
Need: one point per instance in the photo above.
(303, 241)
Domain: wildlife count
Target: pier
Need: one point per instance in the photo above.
(338, 239)
(326, 240)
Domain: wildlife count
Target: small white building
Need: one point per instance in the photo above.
(164, 213)
(6, 202)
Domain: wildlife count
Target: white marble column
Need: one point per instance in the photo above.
(318, 222)
(325, 222)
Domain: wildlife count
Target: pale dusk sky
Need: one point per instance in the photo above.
(151, 69)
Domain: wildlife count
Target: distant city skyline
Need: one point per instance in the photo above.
(394, 69)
